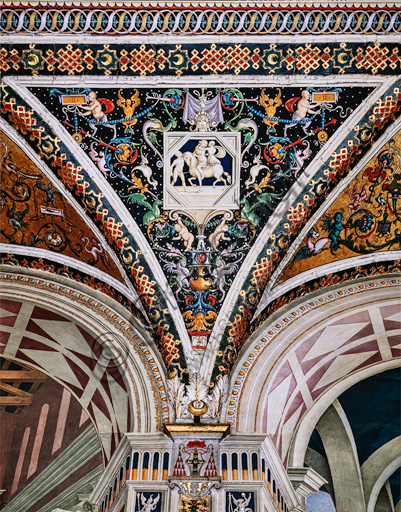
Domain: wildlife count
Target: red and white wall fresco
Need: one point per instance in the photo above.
(59, 346)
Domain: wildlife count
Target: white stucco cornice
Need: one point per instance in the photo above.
(61, 259)
(270, 346)
(190, 39)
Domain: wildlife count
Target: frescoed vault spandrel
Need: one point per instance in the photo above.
(34, 213)
(201, 170)
(365, 218)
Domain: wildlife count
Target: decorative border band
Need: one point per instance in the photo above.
(351, 274)
(199, 21)
(32, 262)
(119, 324)
(201, 59)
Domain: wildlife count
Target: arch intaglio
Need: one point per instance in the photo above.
(200, 244)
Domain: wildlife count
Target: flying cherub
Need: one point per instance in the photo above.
(129, 105)
(94, 109)
(271, 106)
(183, 234)
(304, 107)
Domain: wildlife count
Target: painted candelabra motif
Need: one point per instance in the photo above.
(365, 218)
(201, 170)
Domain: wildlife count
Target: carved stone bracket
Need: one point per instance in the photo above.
(305, 481)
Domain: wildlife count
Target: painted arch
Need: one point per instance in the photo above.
(88, 346)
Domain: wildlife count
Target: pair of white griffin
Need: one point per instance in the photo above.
(202, 163)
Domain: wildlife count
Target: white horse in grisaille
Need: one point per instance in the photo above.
(199, 172)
